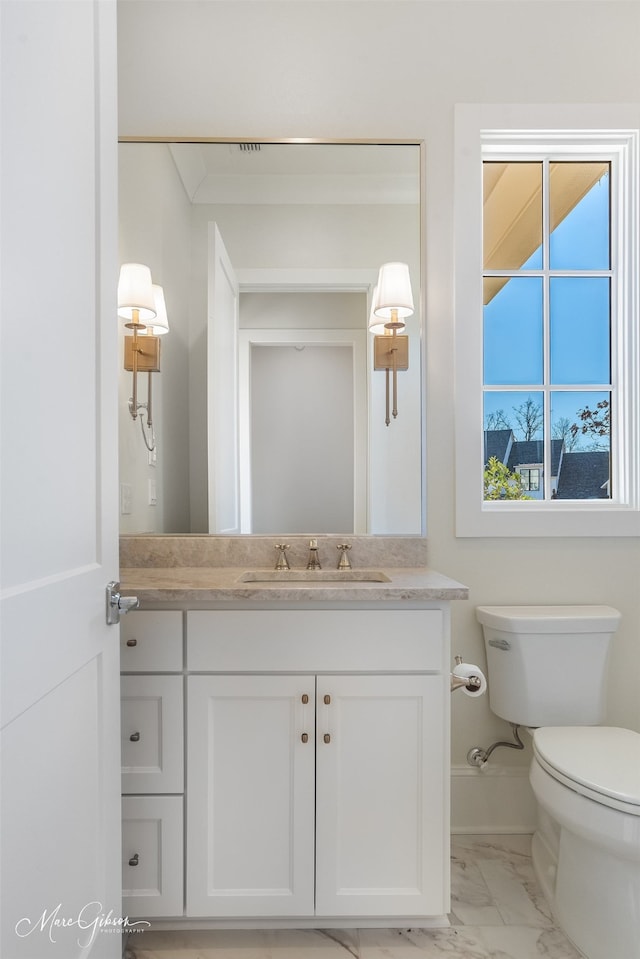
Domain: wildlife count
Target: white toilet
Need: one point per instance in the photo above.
(547, 669)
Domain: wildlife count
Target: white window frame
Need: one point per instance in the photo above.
(583, 131)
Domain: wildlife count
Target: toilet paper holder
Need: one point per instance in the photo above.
(471, 683)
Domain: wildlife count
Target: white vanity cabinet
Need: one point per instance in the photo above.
(316, 756)
(316, 752)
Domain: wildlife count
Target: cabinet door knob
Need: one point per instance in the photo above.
(305, 737)
(327, 738)
(134, 737)
(305, 698)
(327, 700)
(134, 860)
(132, 642)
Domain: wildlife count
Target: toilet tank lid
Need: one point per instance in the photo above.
(549, 619)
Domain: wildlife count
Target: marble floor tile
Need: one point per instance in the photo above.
(245, 944)
(508, 848)
(497, 912)
(512, 894)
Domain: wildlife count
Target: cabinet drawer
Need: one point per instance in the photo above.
(151, 641)
(152, 856)
(389, 640)
(151, 726)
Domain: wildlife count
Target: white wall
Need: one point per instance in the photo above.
(396, 70)
(154, 228)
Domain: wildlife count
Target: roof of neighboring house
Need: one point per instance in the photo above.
(583, 475)
(496, 443)
(532, 451)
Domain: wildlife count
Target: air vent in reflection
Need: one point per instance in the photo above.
(249, 147)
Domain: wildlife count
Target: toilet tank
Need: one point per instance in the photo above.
(547, 665)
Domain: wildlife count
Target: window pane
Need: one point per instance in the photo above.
(581, 421)
(580, 325)
(513, 333)
(512, 217)
(579, 216)
(513, 442)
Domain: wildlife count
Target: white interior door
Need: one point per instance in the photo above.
(59, 660)
(222, 389)
(311, 471)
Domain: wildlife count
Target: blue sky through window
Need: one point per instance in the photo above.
(579, 325)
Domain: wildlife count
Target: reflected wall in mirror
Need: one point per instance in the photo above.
(268, 414)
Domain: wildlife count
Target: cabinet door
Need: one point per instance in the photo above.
(250, 809)
(152, 860)
(152, 734)
(381, 833)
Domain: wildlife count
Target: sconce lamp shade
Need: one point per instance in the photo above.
(160, 324)
(135, 293)
(394, 298)
(376, 324)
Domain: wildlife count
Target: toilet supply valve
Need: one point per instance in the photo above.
(479, 757)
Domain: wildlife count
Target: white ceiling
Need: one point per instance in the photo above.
(299, 172)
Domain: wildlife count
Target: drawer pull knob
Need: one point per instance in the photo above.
(134, 737)
(305, 698)
(327, 738)
(132, 642)
(305, 737)
(134, 860)
(327, 700)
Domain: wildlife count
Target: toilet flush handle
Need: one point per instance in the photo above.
(500, 644)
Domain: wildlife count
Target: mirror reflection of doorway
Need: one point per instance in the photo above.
(302, 438)
(288, 440)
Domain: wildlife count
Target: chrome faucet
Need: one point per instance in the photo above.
(344, 562)
(313, 562)
(282, 562)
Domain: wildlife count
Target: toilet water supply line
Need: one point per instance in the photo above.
(477, 756)
(471, 680)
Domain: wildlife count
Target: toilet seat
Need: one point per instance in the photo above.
(599, 762)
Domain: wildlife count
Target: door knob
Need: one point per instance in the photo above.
(116, 604)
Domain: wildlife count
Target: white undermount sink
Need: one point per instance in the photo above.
(311, 576)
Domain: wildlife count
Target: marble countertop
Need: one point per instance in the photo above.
(187, 586)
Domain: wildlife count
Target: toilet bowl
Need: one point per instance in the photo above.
(585, 777)
(586, 850)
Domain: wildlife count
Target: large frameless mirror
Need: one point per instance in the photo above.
(269, 416)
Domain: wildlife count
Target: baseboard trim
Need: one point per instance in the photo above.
(496, 800)
(490, 771)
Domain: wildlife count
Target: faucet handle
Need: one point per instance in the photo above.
(282, 562)
(344, 562)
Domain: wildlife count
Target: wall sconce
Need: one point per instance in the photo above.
(392, 302)
(141, 303)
